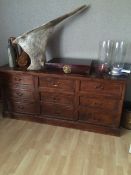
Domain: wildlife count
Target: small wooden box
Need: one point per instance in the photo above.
(70, 65)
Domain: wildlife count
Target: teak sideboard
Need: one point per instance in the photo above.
(79, 101)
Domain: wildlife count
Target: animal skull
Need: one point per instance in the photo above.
(34, 42)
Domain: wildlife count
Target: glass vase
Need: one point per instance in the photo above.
(105, 56)
(118, 57)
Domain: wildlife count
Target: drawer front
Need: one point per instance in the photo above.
(57, 111)
(102, 87)
(98, 117)
(58, 98)
(24, 107)
(20, 94)
(57, 83)
(11, 86)
(101, 103)
(19, 79)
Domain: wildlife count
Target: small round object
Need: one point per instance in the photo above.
(67, 69)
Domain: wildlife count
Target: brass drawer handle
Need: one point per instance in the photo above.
(19, 94)
(18, 79)
(55, 85)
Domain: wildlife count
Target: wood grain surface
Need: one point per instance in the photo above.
(28, 148)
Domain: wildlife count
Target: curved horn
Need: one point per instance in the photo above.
(63, 17)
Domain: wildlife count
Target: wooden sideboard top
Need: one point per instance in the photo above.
(54, 73)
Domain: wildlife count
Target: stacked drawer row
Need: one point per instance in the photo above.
(20, 94)
(100, 102)
(57, 97)
(96, 101)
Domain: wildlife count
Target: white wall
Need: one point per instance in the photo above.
(77, 37)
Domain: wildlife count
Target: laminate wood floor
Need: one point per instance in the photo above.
(28, 148)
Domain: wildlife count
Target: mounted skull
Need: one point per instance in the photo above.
(34, 42)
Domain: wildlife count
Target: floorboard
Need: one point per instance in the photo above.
(28, 148)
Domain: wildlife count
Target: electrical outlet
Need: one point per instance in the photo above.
(130, 149)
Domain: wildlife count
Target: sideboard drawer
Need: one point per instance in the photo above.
(20, 94)
(57, 98)
(57, 83)
(24, 107)
(99, 117)
(19, 79)
(102, 87)
(57, 111)
(10, 86)
(101, 103)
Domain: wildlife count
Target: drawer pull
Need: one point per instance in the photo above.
(18, 79)
(54, 99)
(96, 103)
(99, 87)
(55, 85)
(19, 94)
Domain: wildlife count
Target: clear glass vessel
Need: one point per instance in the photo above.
(118, 57)
(105, 56)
